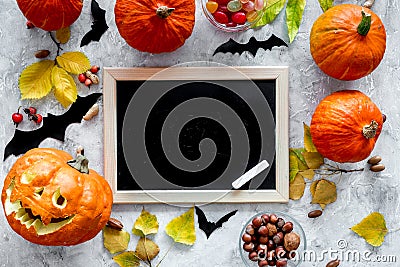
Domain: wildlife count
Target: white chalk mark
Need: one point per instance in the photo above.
(250, 174)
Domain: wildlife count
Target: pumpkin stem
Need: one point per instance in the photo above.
(365, 24)
(80, 163)
(369, 131)
(164, 11)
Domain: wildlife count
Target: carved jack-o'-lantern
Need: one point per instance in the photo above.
(51, 199)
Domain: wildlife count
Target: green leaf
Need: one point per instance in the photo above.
(35, 80)
(324, 192)
(114, 240)
(308, 143)
(73, 62)
(300, 158)
(296, 187)
(294, 14)
(64, 86)
(127, 259)
(181, 229)
(325, 4)
(314, 159)
(372, 228)
(146, 249)
(293, 166)
(271, 11)
(145, 224)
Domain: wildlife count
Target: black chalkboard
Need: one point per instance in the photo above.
(187, 132)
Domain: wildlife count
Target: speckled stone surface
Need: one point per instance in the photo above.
(358, 193)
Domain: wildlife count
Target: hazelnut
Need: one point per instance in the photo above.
(263, 230)
(333, 263)
(281, 263)
(263, 239)
(257, 222)
(115, 224)
(263, 263)
(270, 245)
(253, 256)
(278, 238)
(265, 218)
(271, 229)
(280, 223)
(273, 218)
(246, 238)
(287, 227)
(250, 229)
(249, 247)
(291, 241)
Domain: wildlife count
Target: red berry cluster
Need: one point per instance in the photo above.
(83, 78)
(17, 117)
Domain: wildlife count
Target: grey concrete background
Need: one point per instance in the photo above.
(358, 193)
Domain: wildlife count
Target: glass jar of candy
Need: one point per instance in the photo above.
(233, 15)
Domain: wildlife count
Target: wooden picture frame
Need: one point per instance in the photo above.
(111, 76)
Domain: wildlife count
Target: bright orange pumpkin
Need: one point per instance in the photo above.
(49, 202)
(51, 15)
(345, 126)
(155, 26)
(348, 41)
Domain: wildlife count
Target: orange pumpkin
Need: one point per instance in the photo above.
(348, 41)
(345, 126)
(51, 15)
(49, 202)
(155, 26)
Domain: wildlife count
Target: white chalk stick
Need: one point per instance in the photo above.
(250, 174)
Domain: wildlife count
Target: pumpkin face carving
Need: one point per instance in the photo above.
(48, 202)
(51, 15)
(155, 26)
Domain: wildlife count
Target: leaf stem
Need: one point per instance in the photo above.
(394, 230)
(172, 244)
(57, 44)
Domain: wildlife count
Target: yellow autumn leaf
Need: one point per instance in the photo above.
(146, 249)
(127, 259)
(300, 158)
(35, 80)
(324, 192)
(372, 228)
(313, 187)
(309, 174)
(314, 159)
(308, 143)
(114, 240)
(296, 187)
(145, 224)
(63, 35)
(181, 229)
(64, 87)
(73, 62)
(293, 166)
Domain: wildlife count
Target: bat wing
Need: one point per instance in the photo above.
(251, 46)
(53, 127)
(231, 46)
(272, 41)
(225, 218)
(99, 25)
(206, 226)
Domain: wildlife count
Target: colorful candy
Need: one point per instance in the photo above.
(212, 6)
(232, 13)
(258, 4)
(221, 17)
(234, 6)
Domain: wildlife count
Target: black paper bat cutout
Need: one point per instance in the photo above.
(251, 46)
(99, 25)
(53, 126)
(209, 227)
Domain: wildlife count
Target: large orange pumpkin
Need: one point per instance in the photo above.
(51, 15)
(155, 26)
(348, 41)
(49, 202)
(345, 126)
